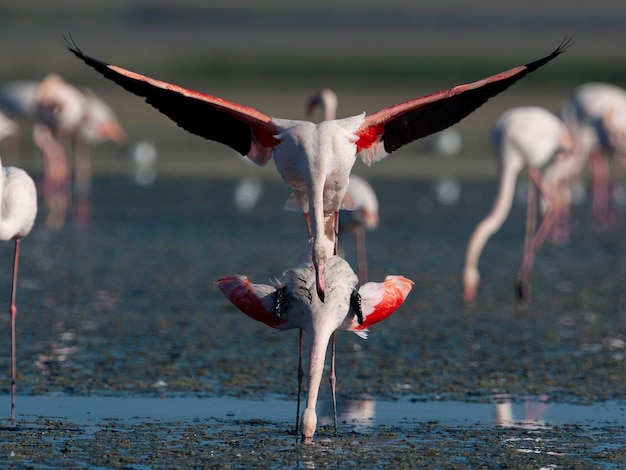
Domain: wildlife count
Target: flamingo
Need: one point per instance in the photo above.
(291, 304)
(9, 129)
(18, 210)
(595, 115)
(70, 118)
(18, 101)
(99, 124)
(364, 213)
(315, 160)
(529, 137)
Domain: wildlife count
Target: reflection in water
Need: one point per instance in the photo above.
(358, 413)
(144, 157)
(534, 408)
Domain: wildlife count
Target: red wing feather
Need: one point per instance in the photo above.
(255, 300)
(379, 300)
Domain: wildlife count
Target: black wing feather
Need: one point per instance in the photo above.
(439, 115)
(193, 115)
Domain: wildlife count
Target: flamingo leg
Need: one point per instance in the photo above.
(361, 256)
(307, 219)
(300, 376)
(600, 204)
(332, 378)
(533, 239)
(13, 313)
(522, 284)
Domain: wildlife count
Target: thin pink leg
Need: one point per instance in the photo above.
(333, 379)
(13, 313)
(600, 201)
(523, 286)
(532, 241)
(361, 255)
(300, 376)
(307, 220)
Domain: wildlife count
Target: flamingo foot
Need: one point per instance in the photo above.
(522, 289)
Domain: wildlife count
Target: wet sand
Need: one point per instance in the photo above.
(126, 307)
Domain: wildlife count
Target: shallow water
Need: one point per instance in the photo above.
(125, 309)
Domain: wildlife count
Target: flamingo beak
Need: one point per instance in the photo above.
(320, 283)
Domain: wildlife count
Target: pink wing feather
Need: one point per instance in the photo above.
(255, 300)
(381, 299)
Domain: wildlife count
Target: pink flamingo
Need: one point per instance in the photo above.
(596, 118)
(314, 159)
(529, 137)
(99, 124)
(68, 121)
(291, 304)
(18, 101)
(363, 212)
(18, 210)
(9, 130)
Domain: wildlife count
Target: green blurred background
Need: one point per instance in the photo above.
(272, 55)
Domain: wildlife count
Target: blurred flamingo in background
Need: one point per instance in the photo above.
(99, 124)
(9, 134)
(534, 138)
(596, 118)
(69, 120)
(291, 303)
(18, 210)
(364, 213)
(18, 101)
(315, 159)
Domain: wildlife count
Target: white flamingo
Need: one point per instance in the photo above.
(314, 159)
(18, 210)
(363, 214)
(292, 303)
(532, 138)
(595, 115)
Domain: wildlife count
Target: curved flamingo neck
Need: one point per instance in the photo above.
(490, 224)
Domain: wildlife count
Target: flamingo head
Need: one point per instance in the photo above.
(319, 259)
(308, 423)
(320, 282)
(471, 278)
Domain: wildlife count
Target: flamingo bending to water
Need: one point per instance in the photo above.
(364, 212)
(314, 159)
(291, 304)
(18, 209)
(534, 138)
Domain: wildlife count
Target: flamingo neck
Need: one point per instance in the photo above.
(318, 343)
(489, 225)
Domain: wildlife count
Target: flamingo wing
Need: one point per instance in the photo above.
(242, 128)
(397, 125)
(255, 300)
(378, 301)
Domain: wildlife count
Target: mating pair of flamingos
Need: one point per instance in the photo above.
(315, 160)
(554, 151)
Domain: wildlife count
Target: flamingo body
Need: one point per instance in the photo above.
(18, 210)
(528, 137)
(303, 309)
(596, 118)
(310, 156)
